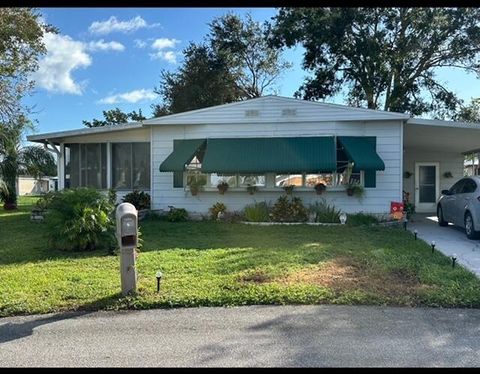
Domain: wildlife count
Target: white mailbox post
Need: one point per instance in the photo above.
(127, 236)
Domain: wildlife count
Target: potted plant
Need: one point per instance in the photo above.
(222, 187)
(289, 188)
(252, 189)
(354, 188)
(195, 186)
(320, 188)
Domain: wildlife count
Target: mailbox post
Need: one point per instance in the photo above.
(127, 236)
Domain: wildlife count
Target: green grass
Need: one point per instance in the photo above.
(211, 263)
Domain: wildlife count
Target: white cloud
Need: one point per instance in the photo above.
(64, 55)
(101, 45)
(140, 43)
(163, 43)
(129, 97)
(112, 25)
(169, 56)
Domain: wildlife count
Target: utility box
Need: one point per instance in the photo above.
(127, 237)
(127, 226)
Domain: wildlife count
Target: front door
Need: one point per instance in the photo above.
(427, 189)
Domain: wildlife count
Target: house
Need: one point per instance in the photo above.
(28, 185)
(269, 142)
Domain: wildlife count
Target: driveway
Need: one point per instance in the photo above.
(448, 240)
(265, 336)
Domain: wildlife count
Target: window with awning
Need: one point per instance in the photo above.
(279, 155)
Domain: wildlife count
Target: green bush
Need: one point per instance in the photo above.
(289, 209)
(257, 212)
(80, 219)
(217, 208)
(358, 219)
(177, 215)
(323, 212)
(140, 199)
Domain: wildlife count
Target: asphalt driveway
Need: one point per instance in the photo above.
(264, 336)
(449, 240)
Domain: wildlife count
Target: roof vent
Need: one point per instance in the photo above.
(289, 112)
(251, 113)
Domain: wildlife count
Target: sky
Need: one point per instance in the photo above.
(104, 58)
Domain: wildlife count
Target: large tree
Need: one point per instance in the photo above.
(21, 44)
(235, 62)
(469, 113)
(203, 80)
(115, 117)
(386, 58)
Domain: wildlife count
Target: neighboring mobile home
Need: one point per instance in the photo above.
(269, 142)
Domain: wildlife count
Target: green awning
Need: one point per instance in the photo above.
(361, 150)
(183, 152)
(279, 155)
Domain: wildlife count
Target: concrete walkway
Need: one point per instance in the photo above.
(449, 240)
(264, 336)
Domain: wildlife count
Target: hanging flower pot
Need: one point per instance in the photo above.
(319, 188)
(252, 189)
(222, 187)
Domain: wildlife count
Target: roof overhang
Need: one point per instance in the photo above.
(441, 136)
(56, 137)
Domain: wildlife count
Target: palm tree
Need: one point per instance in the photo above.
(15, 160)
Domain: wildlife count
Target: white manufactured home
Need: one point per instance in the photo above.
(269, 142)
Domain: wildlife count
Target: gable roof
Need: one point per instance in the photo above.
(269, 109)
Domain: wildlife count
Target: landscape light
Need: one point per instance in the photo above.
(433, 245)
(454, 259)
(159, 276)
(415, 232)
(343, 218)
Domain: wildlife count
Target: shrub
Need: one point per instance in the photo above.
(233, 217)
(358, 219)
(257, 212)
(177, 214)
(289, 210)
(80, 219)
(217, 208)
(323, 212)
(140, 199)
(112, 196)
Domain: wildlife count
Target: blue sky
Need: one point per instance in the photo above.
(112, 57)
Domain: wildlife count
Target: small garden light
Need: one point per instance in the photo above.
(343, 218)
(433, 245)
(415, 232)
(159, 277)
(454, 259)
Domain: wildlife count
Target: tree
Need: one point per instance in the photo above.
(21, 44)
(203, 80)
(385, 57)
(235, 62)
(115, 117)
(244, 45)
(469, 113)
(15, 160)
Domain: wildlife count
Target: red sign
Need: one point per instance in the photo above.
(396, 209)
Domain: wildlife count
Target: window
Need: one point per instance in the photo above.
(282, 180)
(86, 165)
(251, 180)
(469, 187)
(130, 166)
(312, 179)
(215, 179)
(457, 187)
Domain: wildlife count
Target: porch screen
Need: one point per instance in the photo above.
(278, 155)
(86, 165)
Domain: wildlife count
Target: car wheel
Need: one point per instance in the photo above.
(441, 221)
(469, 228)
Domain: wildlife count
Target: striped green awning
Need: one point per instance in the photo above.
(183, 152)
(361, 150)
(279, 155)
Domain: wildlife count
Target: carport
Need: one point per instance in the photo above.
(433, 158)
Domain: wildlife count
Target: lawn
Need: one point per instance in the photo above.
(212, 264)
